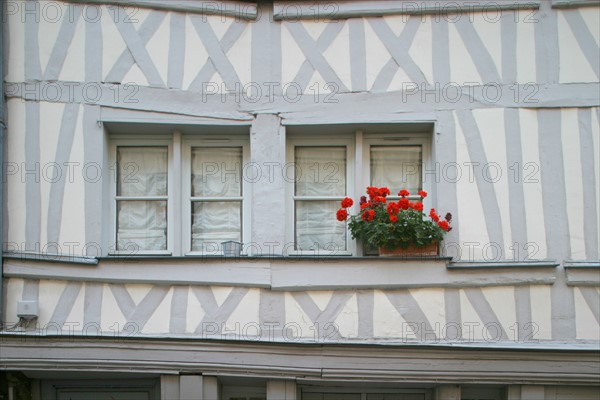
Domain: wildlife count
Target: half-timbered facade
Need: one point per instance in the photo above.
(139, 137)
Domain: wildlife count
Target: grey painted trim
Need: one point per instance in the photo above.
(398, 46)
(59, 258)
(286, 274)
(33, 68)
(453, 313)
(126, 60)
(567, 264)
(237, 9)
(508, 29)
(92, 309)
(584, 38)
(306, 70)
(93, 51)
(261, 47)
(340, 108)
(547, 54)
(137, 47)
(65, 303)
(324, 320)
(441, 51)
(523, 313)
(62, 44)
(232, 34)
(487, 191)
(62, 156)
(294, 10)
(216, 50)
(123, 115)
(505, 264)
(215, 314)
(31, 290)
(485, 311)
(308, 363)
(179, 306)
(477, 50)
(590, 183)
(582, 276)
(409, 309)
(33, 195)
(574, 3)
(358, 54)
(516, 194)
(94, 154)
(366, 306)
(590, 295)
(314, 55)
(272, 311)
(176, 50)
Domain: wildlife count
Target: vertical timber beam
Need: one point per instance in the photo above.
(169, 387)
(281, 390)
(210, 388)
(190, 387)
(447, 392)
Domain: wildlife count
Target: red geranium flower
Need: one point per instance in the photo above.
(422, 193)
(418, 206)
(342, 214)
(371, 214)
(393, 208)
(403, 193)
(393, 218)
(347, 202)
(444, 225)
(404, 203)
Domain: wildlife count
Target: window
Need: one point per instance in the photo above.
(177, 195)
(329, 169)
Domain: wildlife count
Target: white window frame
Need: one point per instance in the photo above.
(179, 221)
(211, 141)
(358, 173)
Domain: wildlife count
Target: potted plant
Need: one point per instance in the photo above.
(396, 227)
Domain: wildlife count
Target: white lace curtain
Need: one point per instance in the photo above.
(396, 167)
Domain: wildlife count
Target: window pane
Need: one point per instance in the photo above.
(215, 222)
(317, 227)
(141, 225)
(142, 171)
(396, 167)
(216, 171)
(320, 171)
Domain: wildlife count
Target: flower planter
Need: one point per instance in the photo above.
(411, 251)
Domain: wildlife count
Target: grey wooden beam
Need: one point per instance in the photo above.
(319, 10)
(574, 3)
(237, 9)
(583, 273)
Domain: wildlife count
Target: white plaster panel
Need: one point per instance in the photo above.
(387, 321)
(462, 67)
(74, 67)
(50, 21)
(195, 54)
(472, 326)
(136, 76)
(221, 293)
(591, 16)
(376, 53)
(432, 303)
(321, 298)
(532, 185)
(218, 23)
(472, 220)
(195, 312)
(586, 324)
(15, 51)
(50, 125)
(15, 184)
(347, 321)
(502, 301)
(73, 207)
(296, 320)
(573, 180)
(541, 313)
(138, 291)
(488, 27)
(497, 173)
(244, 320)
(291, 55)
(158, 48)
(49, 292)
(397, 23)
(526, 63)
(14, 293)
(111, 317)
(74, 320)
(574, 66)
(316, 27)
(400, 81)
(421, 50)
(240, 56)
(160, 319)
(338, 55)
(112, 42)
